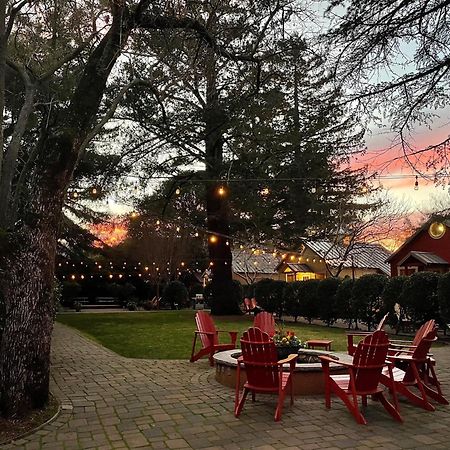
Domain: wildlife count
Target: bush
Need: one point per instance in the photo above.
(292, 292)
(269, 295)
(175, 293)
(326, 300)
(344, 302)
(366, 295)
(309, 300)
(443, 296)
(391, 297)
(419, 297)
(132, 305)
(70, 290)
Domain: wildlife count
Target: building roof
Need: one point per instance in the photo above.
(245, 261)
(360, 255)
(426, 258)
(298, 267)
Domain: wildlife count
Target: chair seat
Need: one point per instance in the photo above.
(284, 382)
(343, 382)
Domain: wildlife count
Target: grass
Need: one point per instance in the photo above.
(169, 334)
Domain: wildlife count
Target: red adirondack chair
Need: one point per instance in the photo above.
(363, 378)
(351, 346)
(415, 368)
(209, 338)
(265, 322)
(265, 374)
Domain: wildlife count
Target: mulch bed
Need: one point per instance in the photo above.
(13, 429)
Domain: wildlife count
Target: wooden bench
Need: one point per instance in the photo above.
(322, 343)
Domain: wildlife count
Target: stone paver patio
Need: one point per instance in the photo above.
(111, 402)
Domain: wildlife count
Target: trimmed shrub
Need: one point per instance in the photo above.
(175, 293)
(443, 296)
(309, 300)
(269, 295)
(292, 292)
(391, 297)
(326, 300)
(70, 290)
(419, 297)
(366, 295)
(344, 302)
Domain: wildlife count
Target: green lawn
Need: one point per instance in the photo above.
(169, 334)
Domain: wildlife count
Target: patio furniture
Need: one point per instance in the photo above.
(265, 322)
(415, 369)
(363, 378)
(351, 346)
(265, 374)
(209, 338)
(321, 343)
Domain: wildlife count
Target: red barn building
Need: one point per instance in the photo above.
(428, 249)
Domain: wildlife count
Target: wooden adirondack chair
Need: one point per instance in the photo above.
(363, 378)
(209, 338)
(351, 346)
(265, 322)
(415, 368)
(264, 373)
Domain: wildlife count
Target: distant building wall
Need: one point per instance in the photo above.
(423, 242)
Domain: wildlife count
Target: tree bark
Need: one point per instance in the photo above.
(27, 285)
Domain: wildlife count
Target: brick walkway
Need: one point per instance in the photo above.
(110, 402)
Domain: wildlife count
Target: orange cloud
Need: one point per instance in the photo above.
(110, 233)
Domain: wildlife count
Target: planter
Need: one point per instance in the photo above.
(284, 351)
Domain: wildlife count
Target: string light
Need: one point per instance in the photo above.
(221, 191)
(134, 215)
(177, 191)
(265, 191)
(416, 184)
(213, 239)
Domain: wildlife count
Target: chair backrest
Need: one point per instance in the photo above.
(382, 322)
(423, 331)
(205, 323)
(259, 355)
(369, 360)
(265, 322)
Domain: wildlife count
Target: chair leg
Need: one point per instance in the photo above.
(240, 405)
(351, 406)
(389, 407)
(193, 350)
(435, 395)
(426, 404)
(279, 409)
(364, 400)
(253, 396)
(327, 394)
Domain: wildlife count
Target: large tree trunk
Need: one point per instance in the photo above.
(27, 287)
(225, 299)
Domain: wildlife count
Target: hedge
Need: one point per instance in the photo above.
(419, 297)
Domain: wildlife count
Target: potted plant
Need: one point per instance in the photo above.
(286, 343)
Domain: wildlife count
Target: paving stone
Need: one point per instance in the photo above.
(111, 402)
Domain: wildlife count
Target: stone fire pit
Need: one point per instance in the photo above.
(308, 375)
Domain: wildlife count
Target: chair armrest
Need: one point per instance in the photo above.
(400, 342)
(327, 360)
(210, 333)
(291, 357)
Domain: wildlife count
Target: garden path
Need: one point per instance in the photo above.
(111, 402)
